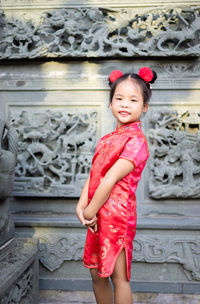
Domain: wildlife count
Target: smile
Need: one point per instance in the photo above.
(124, 113)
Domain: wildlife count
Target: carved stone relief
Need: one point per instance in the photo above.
(175, 154)
(4, 216)
(94, 32)
(185, 251)
(55, 150)
(21, 291)
(54, 249)
(8, 155)
(19, 272)
(177, 75)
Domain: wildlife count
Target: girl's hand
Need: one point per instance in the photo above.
(88, 213)
(92, 224)
(83, 202)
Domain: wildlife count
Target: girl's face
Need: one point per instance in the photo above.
(127, 104)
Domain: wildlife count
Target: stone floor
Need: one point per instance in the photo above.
(82, 297)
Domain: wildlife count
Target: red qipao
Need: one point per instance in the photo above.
(117, 217)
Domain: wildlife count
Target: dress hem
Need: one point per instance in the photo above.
(115, 260)
(113, 264)
(90, 266)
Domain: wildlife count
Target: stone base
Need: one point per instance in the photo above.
(7, 233)
(166, 253)
(19, 272)
(7, 230)
(83, 297)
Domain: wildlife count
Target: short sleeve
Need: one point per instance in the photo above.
(136, 150)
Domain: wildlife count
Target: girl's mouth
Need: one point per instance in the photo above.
(124, 113)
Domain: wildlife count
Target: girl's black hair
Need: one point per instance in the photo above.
(145, 86)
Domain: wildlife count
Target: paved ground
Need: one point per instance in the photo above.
(83, 297)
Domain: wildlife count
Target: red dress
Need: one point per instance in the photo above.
(117, 217)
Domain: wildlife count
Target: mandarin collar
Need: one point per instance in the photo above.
(131, 126)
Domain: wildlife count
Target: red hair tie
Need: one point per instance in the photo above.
(115, 75)
(146, 74)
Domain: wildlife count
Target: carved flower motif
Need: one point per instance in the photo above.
(22, 33)
(95, 15)
(56, 19)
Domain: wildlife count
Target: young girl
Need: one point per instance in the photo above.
(107, 204)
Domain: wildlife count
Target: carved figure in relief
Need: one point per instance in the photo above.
(19, 268)
(54, 249)
(107, 205)
(52, 160)
(87, 31)
(175, 164)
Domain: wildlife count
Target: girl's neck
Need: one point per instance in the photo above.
(129, 124)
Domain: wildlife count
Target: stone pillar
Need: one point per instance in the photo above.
(8, 156)
(18, 258)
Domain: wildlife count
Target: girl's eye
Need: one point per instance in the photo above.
(134, 100)
(118, 98)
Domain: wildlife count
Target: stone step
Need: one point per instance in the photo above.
(69, 220)
(66, 297)
(83, 297)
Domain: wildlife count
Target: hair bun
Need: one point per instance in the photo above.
(154, 77)
(147, 75)
(115, 75)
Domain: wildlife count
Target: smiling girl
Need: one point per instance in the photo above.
(107, 204)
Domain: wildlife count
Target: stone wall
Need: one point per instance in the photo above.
(56, 59)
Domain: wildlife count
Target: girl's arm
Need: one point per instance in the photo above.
(82, 204)
(120, 169)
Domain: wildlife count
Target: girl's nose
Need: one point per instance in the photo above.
(124, 103)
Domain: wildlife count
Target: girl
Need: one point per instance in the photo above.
(107, 204)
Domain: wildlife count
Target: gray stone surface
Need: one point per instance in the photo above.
(46, 95)
(101, 32)
(166, 248)
(162, 261)
(55, 150)
(59, 297)
(18, 257)
(175, 154)
(8, 155)
(55, 249)
(19, 272)
(6, 223)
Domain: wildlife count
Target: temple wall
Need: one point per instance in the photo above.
(55, 62)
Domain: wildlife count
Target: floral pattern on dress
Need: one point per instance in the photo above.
(117, 217)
